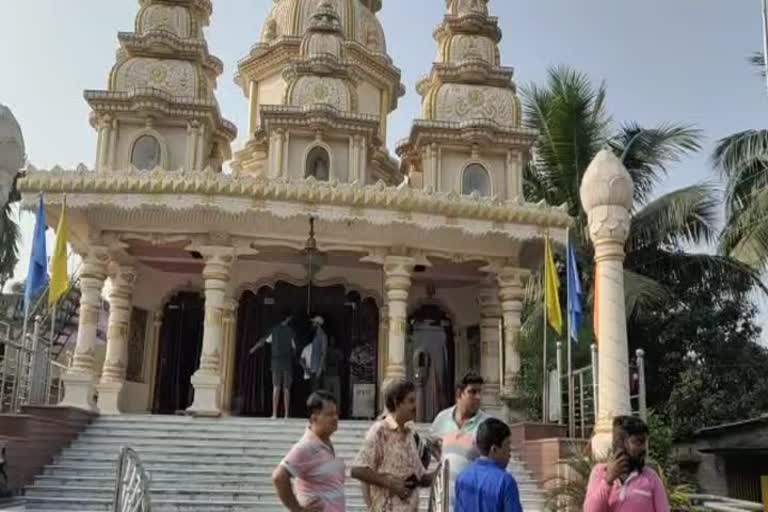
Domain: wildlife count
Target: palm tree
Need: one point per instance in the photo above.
(570, 114)
(742, 159)
(9, 241)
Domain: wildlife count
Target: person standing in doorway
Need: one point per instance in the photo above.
(389, 463)
(283, 342)
(319, 352)
(456, 427)
(485, 485)
(625, 483)
(319, 473)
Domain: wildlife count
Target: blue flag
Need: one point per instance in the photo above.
(37, 275)
(575, 295)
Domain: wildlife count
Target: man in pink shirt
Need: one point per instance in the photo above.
(625, 483)
(313, 463)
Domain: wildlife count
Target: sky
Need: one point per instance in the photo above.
(682, 61)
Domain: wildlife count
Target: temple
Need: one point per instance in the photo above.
(418, 263)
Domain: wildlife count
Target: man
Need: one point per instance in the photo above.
(319, 352)
(389, 463)
(456, 427)
(485, 485)
(313, 463)
(625, 483)
(283, 342)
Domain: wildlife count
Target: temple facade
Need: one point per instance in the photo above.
(417, 263)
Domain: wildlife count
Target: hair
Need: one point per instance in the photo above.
(317, 401)
(396, 392)
(469, 379)
(630, 425)
(285, 314)
(490, 433)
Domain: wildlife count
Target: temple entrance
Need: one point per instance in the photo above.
(430, 353)
(181, 341)
(352, 326)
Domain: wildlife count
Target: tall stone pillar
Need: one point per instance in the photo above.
(80, 379)
(606, 194)
(229, 323)
(397, 271)
(207, 379)
(511, 290)
(116, 360)
(490, 334)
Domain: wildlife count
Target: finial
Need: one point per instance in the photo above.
(606, 183)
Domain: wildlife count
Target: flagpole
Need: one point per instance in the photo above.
(544, 358)
(571, 404)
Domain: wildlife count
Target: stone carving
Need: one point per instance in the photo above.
(312, 90)
(471, 7)
(166, 18)
(323, 43)
(472, 47)
(172, 76)
(459, 102)
(370, 32)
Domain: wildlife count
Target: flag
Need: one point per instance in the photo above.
(551, 294)
(38, 260)
(59, 278)
(575, 294)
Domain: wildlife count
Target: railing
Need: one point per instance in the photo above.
(722, 504)
(439, 491)
(584, 385)
(132, 485)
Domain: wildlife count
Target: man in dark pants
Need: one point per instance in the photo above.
(283, 342)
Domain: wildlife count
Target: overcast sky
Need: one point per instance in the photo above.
(662, 60)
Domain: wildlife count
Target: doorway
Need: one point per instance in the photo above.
(430, 353)
(181, 342)
(351, 324)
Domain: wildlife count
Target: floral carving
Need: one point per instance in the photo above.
(166, 18)
(459, 102)
(172, 76)
(311, 90)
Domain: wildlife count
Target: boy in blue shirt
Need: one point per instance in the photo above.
(485, 486)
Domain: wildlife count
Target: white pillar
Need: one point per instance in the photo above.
(606, 194)
(80, 379)
(511, 289)
(490, 338)
(397, 271)
(116, 360)
(207, 379)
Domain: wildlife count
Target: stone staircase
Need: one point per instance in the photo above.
(211, 465)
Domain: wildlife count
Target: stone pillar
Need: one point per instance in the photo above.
(490, 365)
(511, 289)
(229, 323)
(207, 379)
(116, 360)
(397, 283)
(383, 352)
(80, 379)
(606, 194)
(153, 354)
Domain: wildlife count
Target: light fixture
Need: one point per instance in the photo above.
(314, 261)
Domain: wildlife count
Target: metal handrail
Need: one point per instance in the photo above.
(723, 504)
(132, 485)
(439, 491)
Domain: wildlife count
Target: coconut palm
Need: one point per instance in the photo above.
(570, 114)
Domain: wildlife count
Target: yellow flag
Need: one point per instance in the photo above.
(551, 294)
(59, 277)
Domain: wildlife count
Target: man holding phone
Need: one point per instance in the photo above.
(625, 483)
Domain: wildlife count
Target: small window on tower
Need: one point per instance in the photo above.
(476, 179)
(318, 164)
(146, 153)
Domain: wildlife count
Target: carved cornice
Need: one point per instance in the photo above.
(485, 133)
(470, 23)
(159, 187)
(154, 100)
(468, 72)
(167, 44)
(319, 117)
(204, 7)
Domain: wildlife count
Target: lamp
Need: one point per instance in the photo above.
(12, 155)
(314, 261)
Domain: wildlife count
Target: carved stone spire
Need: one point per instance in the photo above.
(162, 91)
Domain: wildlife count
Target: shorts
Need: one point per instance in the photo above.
(282, 378)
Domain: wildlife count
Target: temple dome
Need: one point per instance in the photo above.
(292, 18)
